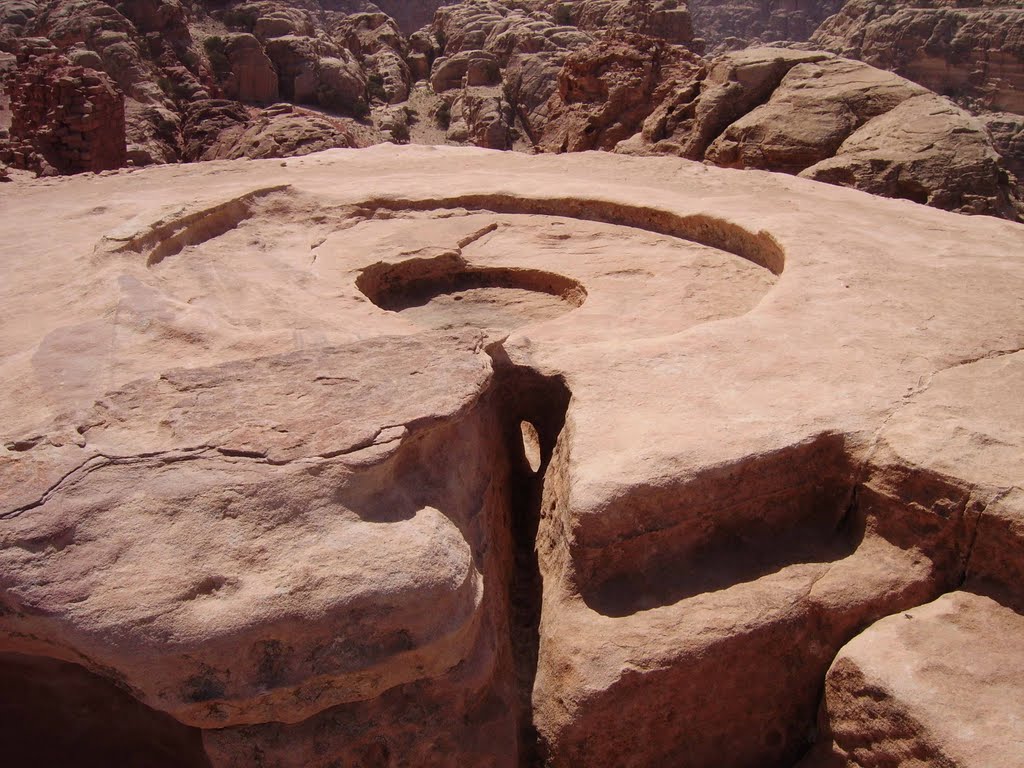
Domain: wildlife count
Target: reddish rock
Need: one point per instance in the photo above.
(221, 129)
(65, 119)
(252, 77)
(606, 90)
(731, 24)
(665, 19)
(693, 116)
(939, 685)
(760, 420)
(816, 106)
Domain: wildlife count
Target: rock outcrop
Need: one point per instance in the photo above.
(970, 51)
(1007, 132)
(547, 76)
(839, 121)
(438, 456)
(815, 107)
(933, 684)
(607, 89)
(927, 150)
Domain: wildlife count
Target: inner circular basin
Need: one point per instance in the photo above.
(446, 292)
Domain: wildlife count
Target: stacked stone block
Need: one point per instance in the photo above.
(65, 119)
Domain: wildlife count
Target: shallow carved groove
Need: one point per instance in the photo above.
(761, 248)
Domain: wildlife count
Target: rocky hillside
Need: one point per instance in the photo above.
(272, 79)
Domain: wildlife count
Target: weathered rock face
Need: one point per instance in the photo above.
(691, 118)
(973, 51)
(482, 459)
(839, 121)
(1007, 132)
(815, 107)
(903, 689)
(730, 24)
(250, 74)
(410, 15)
(607, 89)
(65, 118)
(940, 684)
(533, 76)
(927, 150)
(667, 20)
(225, 130)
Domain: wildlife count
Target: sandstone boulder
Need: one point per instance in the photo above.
(252, 76)
(153, 134)
(665, 19)
(210, 122)
(936, 685)
(731, 24)
(606, 90)
(288, 133)
(464, 68)
(816, 106)
(927, 150)
(341, 85)
(482, 117)
(689, 120)
(1007, 133)
(15, 20)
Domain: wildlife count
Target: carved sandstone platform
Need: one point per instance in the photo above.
(435, 456)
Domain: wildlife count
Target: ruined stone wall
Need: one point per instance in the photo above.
(64, 118)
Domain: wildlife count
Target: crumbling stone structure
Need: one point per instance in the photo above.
(65, 119)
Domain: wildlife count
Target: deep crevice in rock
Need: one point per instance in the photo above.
(525, 395)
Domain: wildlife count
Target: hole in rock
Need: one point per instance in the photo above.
(446, 292)
(53, 713)
(531, 445)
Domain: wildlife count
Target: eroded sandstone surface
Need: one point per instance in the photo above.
(440, 456)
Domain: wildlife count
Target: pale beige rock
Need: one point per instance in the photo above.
(263, 463)
(735, 84)
(928, 150)
(938, 685)
(253, 78)
(814, 109)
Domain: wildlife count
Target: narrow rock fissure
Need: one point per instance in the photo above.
(524, 395)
